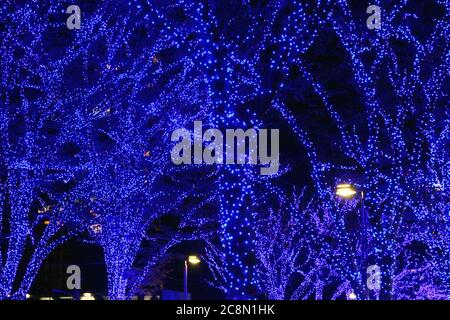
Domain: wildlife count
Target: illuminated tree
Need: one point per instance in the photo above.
(93, 109)
(234, 56)
(381, 95)
(34, 181)
(143, 86)
(368, 107)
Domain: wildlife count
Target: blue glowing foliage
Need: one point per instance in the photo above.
(392, 140)
(92, 110)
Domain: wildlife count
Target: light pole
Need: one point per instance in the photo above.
(191, 260)
(348, 191)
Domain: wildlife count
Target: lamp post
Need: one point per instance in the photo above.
(189, 260)
(348, 191)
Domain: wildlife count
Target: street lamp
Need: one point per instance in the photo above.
(191, 260)
(87, 296)
(346, 190)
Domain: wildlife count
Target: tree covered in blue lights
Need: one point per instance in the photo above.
(95, 114)
(368, 107)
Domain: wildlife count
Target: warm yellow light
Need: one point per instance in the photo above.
(87, 296)
(345, 190)
(352, 296)
(193, 259)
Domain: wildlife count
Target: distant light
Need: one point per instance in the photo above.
(437, 186)
(96, 228)
(44, 209)
(87, 296)
(193, 260)
(46, 222)
(352, 296)
(345, 190)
